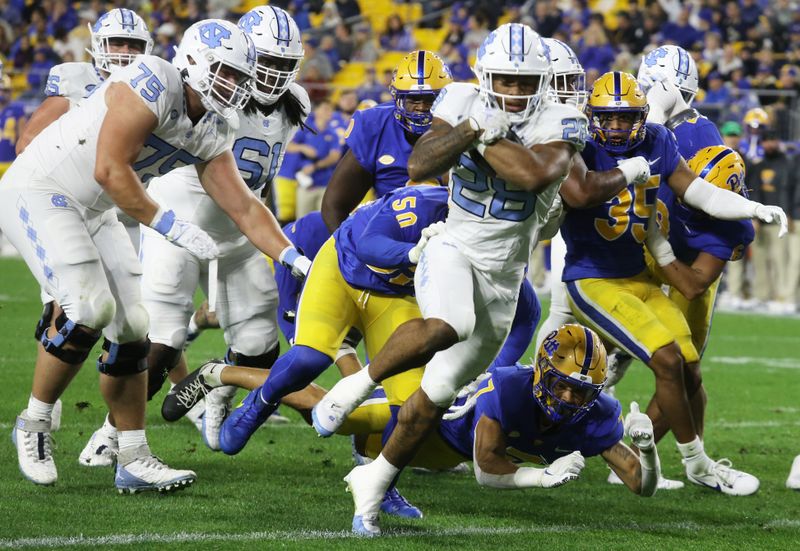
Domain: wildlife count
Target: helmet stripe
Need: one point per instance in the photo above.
(283, 25)
(127, 19)
(421, 67)
(683, 63)
(617, 86)
(706, 169)
(516, 41)
(588, 352)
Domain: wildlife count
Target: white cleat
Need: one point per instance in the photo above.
(55, 417)
(34, 450)
(663, 483)
(101, 450)
(149, 474)
(793, 482)
(195, 415)
(327, 416)
(723, 478)
(218, 407)
(367, 497)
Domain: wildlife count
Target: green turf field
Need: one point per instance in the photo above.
(285, 488)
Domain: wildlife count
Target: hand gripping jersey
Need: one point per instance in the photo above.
(606, 241)
(258, 149)
(689, 231)
(73, 81)
(507, 397)
(379, 145)
(373, 243)
(65, 153)
(497, 224)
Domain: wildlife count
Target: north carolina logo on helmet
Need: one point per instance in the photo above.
(616, 93)
(420, 74)
(574, 358)
(676, 65)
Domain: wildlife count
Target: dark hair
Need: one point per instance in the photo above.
(290, 104)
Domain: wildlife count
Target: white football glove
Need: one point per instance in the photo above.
(657, 244)
(563, 470)
(494, 123)
(434, 229)
(184, 234)
(639, 428)
(415, 252)
(663, 97)
(296, 262)
(770, 214)
(636, 169)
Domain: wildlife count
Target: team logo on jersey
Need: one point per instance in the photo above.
(386, 159)
(59, 200)
(173, 114)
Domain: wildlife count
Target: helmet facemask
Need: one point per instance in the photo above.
(113, 29)
(274, 75)
(550, 383)
(570, 88)
(523, 107)
(416, 122)
(618, 140)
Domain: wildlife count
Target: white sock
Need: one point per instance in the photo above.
(362, 383)
(383, 471)
(213, 376)
(694, 455)
(39, 410)
(129, 440)
(109, 429)
(192, 329)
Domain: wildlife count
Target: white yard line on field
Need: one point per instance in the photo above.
(300, 535)
(782, 363)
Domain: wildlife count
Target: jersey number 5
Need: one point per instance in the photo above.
(618, 221)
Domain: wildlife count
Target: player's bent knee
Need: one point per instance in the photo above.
(160, 361)
(261, 361)
(667, 362)
(135, 325)
(125, 359)
(98, 311)
(71, 343)
(440, 393)
(442, 334)
(45, 321)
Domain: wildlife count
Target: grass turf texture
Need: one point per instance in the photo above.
(285, 488)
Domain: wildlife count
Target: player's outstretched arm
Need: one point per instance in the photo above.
(221, 179)
(439, 149)
(639, 473)
(50, 109)
(493, 469)
(721, 203)
(345, 190)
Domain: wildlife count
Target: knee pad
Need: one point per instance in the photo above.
(69, 332)
(261, 361)
(45, 321)
(124, 359)
(439, 392)
(157, 371)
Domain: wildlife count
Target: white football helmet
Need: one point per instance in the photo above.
(675, 64)
(207, 47)
(279, 48)
(117, 23)
(569, 78)
(513, 49)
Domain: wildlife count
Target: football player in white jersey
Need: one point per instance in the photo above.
(509, 151)
(247, 302)
(56, 206)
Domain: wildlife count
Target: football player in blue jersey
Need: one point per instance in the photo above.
(380, 139)
(608, 284)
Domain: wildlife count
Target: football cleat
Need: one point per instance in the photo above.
(396, 505)
(101, 450)
(187, 393)
(195, 415)
(218, 407)
(723, 478)
(243, 422)
(663, 483)
(618, 363)
(150, 474)
(34, 450)
(327, 416)
(367, 498)
(793, 482)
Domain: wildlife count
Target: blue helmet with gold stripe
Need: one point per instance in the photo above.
(570, 372)
(419, 76)
(617, 110)
(722, 166)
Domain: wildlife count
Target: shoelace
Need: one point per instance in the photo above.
(30, 442)
(396, 496)
(188, 396)
(723, 469)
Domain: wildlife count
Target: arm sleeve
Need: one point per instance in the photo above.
(382, 244)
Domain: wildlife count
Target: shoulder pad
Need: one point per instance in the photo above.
(454, 102)
(555, 122)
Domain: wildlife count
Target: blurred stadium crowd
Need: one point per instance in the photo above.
(747, 53)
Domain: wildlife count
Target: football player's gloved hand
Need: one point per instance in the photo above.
(658, 245)
(563, 469)
(184, 234)
(434, 229)
(415, 252)
(636, 170)
(639, 428)
(663, 97)
(494, 123)
(296, 262)
(770, 214)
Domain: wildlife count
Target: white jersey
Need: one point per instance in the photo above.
(73, 81)
(65, 153)
(496, 224)
(258, 148)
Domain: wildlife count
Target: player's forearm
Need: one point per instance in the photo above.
(689, 282)
(510, 476)
(600, 186)
(436, 152)
(126, 191)
(259, 225)
(50, 110)
(529, 169)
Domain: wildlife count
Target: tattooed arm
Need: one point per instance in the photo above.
(639, 472)
(439, 148)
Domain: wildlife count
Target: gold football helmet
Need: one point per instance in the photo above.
(617, 93)
(419, 75)
(722, 166)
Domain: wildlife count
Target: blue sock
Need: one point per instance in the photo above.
(294, 371)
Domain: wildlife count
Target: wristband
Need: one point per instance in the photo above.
(288, 256)
(163, 220)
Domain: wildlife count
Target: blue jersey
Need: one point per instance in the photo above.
(373, 243)
(606, 241)
(307, 234)
(379, 145)
(9, 130)
(507, 397)
(689, 231)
